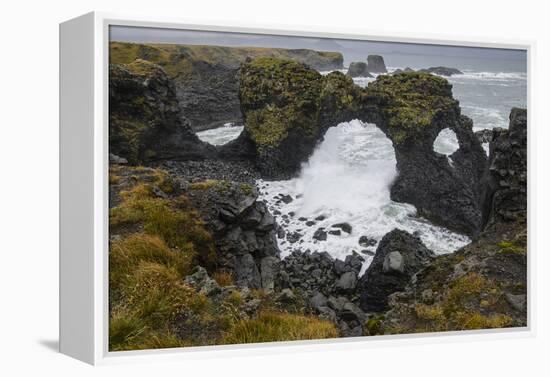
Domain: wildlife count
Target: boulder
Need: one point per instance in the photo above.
(375, 64)
(358, 69)
(366, 241)
(203, 283)
(268, 271)
(320, 235)
(246, 271)
(393, 263)
(318, 301)
(346, 227)
(114, 159)
(347, 282)
(398, 257)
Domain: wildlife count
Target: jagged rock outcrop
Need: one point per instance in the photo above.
(145, 123)
(243, 230)
(506, 190)
(398, 257)
(358, 69)
(207, 77)
(442, 71)
(375, 64)
(485, 135)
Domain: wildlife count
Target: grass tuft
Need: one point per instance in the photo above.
(273, 327)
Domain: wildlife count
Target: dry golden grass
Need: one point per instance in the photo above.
(273, 327)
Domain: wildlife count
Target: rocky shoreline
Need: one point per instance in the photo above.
(215, 244)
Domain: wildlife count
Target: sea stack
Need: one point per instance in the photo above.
(375, 64)
(358, 69)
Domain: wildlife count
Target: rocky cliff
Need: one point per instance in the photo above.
(207, 77)
(145, 121)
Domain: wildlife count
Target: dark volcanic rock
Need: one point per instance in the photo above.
(244, 231)
(320, 235)
(329, 286)
(208, 94)
(485, 136)
(506, 192)
(358, 69)
(442, 71)
(145, 123)
(375, 64)
(399, 256)
(449, 195)
(366, 241)
(346, 227)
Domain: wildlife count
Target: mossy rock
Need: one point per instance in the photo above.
(278, 96)
(411, 103)
(287, 107)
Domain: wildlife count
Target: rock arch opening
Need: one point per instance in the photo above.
(446, 142)
(221, 135)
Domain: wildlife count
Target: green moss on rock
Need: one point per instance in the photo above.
(410, 102)
(278, 96)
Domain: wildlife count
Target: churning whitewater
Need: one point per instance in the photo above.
(347, 180)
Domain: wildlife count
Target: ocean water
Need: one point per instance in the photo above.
(220, 135)
(349, 175)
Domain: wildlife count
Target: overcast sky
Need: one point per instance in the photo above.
(396, 53)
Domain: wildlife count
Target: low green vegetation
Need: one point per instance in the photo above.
(159, 242)
(178, 59)
(173, 220)
(510, 247)
(470, 302)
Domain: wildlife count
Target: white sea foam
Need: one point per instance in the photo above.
(347, 179)
(490, 76)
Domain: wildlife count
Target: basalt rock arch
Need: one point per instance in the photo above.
(287, 108)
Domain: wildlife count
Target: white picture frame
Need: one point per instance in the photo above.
(84, 191)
